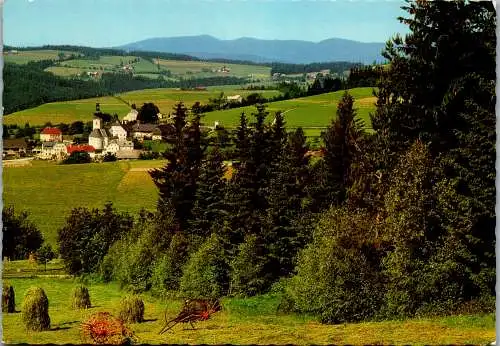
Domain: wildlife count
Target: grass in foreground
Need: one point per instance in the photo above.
(49, 191)
(242, 321)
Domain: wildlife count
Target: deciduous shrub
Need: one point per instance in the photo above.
(338, 277)
(247, 275)
(206, 273)
(81, 298)
(132, 309)
(104, 328)
(167, 270)
(8, 299)
(35, 310)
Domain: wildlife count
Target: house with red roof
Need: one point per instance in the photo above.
(51, 134)
(80, 147)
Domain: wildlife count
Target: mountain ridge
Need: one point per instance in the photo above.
(260, 50)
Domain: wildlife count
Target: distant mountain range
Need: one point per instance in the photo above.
(252, 49)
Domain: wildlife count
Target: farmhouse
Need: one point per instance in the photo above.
(131, 116)
(146, 131)
(118, 131)
(53, 151)
(51, 134)
(15, 147)
(235, 98)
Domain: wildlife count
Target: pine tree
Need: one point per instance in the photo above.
(342, 145)
(209, 209)
(285, 200)
(439, 88)
(177, 180)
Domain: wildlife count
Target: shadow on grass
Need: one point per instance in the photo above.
(59, 328)
(150, 320)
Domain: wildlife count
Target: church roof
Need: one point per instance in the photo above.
(95, 133)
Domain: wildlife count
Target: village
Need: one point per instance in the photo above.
(123, 139)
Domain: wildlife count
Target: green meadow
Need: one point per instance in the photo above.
(241, 321)
(49, 191)
(307, 112)
(164, 98)
(205, 69)
(23, 57)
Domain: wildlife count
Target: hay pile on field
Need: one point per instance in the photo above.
(8, 299)
(35, 310)
(81, 298)
(132, 309)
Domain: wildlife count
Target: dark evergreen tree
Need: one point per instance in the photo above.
(209, 208)
(341, 141)
(439, 88)
(286, 205)
(177, 180)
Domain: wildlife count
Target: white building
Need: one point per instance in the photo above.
(131, 116)
(99, 138)
(53, 151)
(118, 131)
(235, 98)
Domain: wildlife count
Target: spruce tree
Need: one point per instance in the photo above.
(439, 88)
(342, 145)
(177, 180)
(209, 209)
(285, 206)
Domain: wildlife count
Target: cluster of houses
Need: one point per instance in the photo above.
(114, 138)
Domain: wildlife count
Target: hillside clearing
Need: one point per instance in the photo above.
(59, 188)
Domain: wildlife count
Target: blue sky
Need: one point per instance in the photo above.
(107, 23)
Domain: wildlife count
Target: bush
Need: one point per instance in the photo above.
(109, 157)
(77, 157)
(35, 310)
(81, 298)
(337, 274)
(206, 273)
(132, 309)
(167, 270)
(104, 328)
(45, 254)
(88, 234)
(8, 299)
(247, 269)
(20, 236)
(131, 260)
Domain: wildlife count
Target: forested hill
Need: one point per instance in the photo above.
(27, 86)
(288, 51)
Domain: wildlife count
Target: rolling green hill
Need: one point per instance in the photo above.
(307, 112)
(165, 99)
(49, 191)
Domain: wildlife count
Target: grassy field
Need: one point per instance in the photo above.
(307, 112)
(205, 69)
(165, 99)
(242, 321)
(49, 191)
(23, 57)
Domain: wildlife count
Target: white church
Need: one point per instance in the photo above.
(109, 140)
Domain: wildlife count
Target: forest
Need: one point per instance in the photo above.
(394, 223)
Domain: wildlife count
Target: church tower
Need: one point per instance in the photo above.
(97, 123)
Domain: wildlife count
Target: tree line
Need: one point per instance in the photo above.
(28, 86)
